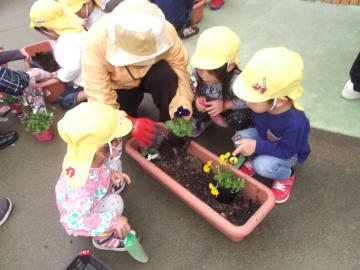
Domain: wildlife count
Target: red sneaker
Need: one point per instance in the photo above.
(282, 188)
(248, 168)
(216, 4)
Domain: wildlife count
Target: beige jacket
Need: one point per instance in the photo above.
(101, 79)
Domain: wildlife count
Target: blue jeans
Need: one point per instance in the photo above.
(67, 100)
(266, 165)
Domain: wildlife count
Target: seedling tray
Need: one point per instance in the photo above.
(88, 262)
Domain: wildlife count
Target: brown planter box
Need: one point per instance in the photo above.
(52, 88)
(197, 12)
(253, 190)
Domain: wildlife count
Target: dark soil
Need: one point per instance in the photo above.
(187, 171)
(46, 61)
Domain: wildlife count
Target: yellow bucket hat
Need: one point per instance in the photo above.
(136, 33)
(271, 73)
(216, 46)
(85, 128)
(73, 6)
(50, 14)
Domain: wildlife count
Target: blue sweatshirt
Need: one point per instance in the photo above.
(175, 11)
(283, 135)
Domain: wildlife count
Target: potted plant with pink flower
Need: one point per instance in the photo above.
(39, 123)
(13, 102)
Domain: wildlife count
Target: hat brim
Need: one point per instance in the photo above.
(63, 25)
(198, 62)
(118, 57)
(125, 126)
(247, 93)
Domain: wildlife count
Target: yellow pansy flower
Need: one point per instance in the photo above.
(224, 157)
(207, 166)
(213, 190)
(233, 160)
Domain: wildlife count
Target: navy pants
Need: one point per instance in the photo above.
(67, 100)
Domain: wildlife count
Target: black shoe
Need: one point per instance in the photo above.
(6, 141)
(7, 134)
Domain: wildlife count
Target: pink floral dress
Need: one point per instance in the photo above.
(76, 205)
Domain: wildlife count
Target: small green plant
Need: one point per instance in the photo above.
(9, 99)
(39, 121)
(150, 154)
(223, 176)
(180, 126)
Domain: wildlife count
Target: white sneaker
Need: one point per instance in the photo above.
(348, 91)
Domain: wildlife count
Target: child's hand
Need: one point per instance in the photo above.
(118, 178)
(245, 147)
(200, 103)
(122, 226)
(215, 107)
(27, 56)
(54, 75)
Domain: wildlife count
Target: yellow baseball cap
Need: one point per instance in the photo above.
(50, 14)
(73, 6)
(85, 128)
(271, 73)
(216, 46)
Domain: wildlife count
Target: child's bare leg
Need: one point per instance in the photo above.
(39, 74)
(81, 97)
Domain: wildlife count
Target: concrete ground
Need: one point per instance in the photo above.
(316, 229)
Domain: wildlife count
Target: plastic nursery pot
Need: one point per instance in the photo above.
(52, 88)
(46, 135)
(197, 12)
(176, 141)
(253, 190)
(225, 195)
(15, 107)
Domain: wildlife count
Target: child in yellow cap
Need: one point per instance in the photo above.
(88, 10)
(270, 85)
(86, 203)
(48, 17)
(215, 62)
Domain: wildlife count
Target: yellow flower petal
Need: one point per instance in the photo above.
(213, 190)
(207, 166)
(222, 158)
(233, 160)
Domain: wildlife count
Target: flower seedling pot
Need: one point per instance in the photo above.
(52, 88)
(46, 135)
(225, 195)
(175, 141)
(253, 189)
(16, 108)
(197, 12)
